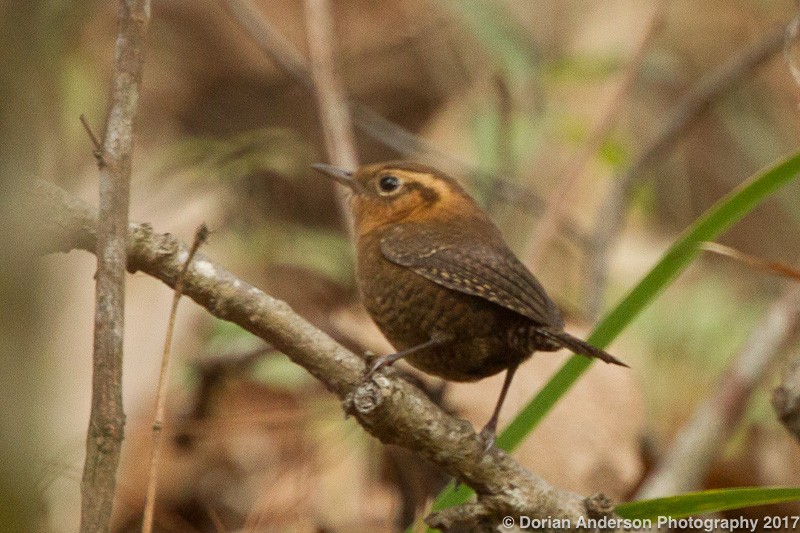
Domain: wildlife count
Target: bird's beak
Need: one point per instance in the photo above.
(342, 176)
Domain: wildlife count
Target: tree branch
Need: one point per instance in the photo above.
(388, 407)
(107, 419)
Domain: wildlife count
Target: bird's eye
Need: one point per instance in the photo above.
(389, 184)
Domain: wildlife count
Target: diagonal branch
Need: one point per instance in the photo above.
(107, 419)
(389, 408)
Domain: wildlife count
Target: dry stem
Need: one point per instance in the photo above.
(107, 419)
(163, 378)
(684, 467)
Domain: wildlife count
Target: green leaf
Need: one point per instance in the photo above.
(721, 216)
(708, 501)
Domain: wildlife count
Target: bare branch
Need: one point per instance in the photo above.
(388, 407)
(107, 419)
(611, 214)
(714, 421)
(163, 379)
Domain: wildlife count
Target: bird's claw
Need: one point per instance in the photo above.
(488, 435)
(377, 365)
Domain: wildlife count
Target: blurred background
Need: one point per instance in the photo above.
(539, 108)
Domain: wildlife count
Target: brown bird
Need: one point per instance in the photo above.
(441, 283)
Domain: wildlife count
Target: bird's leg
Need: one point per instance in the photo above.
(437, 339)
(489, 431)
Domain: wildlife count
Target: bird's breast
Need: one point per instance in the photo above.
(409, 309)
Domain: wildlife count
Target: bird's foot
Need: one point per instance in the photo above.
(380, 362)
(488, 435)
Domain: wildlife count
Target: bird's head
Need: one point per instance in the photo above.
(398, 191)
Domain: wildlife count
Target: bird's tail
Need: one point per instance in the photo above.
(564, 339)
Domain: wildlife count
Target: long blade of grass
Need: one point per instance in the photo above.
(708, 501)
(715, 221)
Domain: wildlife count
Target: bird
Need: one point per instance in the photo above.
(440, 282)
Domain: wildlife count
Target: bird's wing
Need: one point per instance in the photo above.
(483, 267)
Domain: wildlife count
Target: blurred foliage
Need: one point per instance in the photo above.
(267, 219)
(323, 250)
(722, 318)
(510, 46)
(229, 338)
(279, 372)
(234, 157)
(519, 135)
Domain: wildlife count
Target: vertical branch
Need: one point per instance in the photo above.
(107, 419)
(334, 109)
(504, 142)
(555, 209)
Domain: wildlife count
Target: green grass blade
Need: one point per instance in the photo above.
(721, 216)
(709, 501)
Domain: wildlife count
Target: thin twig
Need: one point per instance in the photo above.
(200, 237)
(270, 40)
(334, 111)
(773, 267)
(388, 407)
(790, 45)
(98, 148)
(555, 210)
(611, 214)
(699, 442)
(107, 419)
